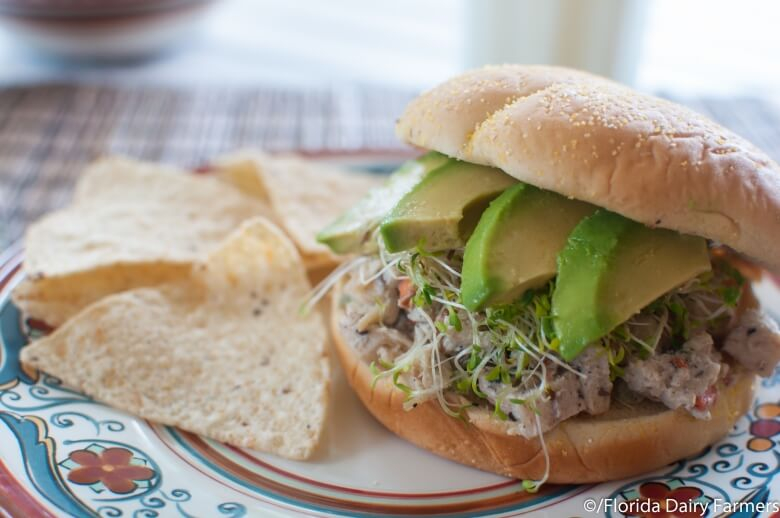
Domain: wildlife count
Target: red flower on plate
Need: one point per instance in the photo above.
(111, 467)
(658, 497)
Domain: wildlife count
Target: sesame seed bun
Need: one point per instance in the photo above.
(592, 139)
(619, 443)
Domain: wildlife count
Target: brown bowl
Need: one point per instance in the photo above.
(101, 29)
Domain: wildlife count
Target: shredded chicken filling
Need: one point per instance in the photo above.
(403, 316)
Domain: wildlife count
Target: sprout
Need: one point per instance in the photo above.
(532, 486)
(319, 291)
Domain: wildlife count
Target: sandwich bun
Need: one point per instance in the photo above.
(595, 140)
(619, 443)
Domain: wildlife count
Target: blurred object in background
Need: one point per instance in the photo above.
(601, 36)
(100, 30)
(301, 43)
(678, 47)
(715, 48)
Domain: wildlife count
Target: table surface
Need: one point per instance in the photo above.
(48, 133)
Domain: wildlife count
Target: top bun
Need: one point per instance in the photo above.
(590, 138)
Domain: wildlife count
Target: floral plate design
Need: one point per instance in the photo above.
(63, 454)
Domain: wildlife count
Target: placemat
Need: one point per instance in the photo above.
(49, 132)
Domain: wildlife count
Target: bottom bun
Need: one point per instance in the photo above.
(619, 443)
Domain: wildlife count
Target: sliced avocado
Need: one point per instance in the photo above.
(352, 230)
(516, 243)
(611, 268)
(442, 210)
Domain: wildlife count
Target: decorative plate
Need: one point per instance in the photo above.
(62, 454)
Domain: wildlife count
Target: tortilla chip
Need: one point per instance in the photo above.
(131, 224)
(304, 195)
(222, 353)
(56, 299)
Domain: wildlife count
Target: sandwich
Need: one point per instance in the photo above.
(559, 288)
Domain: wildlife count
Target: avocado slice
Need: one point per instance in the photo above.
(442, 210)
(352, 230)
(611, 268)
(516, 243)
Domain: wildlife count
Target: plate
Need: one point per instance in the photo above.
(149, 470)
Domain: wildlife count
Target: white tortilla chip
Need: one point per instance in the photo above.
(131, 224)
(223, 353)
(55, 299)
(304, 195)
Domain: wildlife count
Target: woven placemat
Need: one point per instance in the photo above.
(49, 132)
